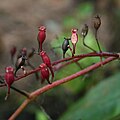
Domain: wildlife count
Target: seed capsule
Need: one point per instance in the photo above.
(9, 78)
(44, 73)
(74, 38)
(84, 31)
(65, 46)
(47, 61)
(97, 22)
(21, 58)
(41, 36)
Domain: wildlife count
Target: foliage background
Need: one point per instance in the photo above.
(93, 96)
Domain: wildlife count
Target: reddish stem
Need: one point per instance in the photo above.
(39, 91)
(81, 56)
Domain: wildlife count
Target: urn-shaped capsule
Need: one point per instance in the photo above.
(65, 46)
(47, 61)
(9, 78)
(97, 22)
(74, 38)
(41, 36)
(44, 73)
(84, 30)
(21, 58)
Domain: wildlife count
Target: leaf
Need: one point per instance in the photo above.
(40, 115)
(101, 103)
(84, 10)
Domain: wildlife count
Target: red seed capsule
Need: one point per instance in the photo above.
(44, 73)
(41, 36)
(47, 61)
(9, 78)
(74, 38)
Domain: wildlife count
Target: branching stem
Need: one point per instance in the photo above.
(39, 91)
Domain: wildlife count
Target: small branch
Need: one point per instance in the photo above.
(24, 93)
(29, 73)
(92, 54)
(21, 108)
(15, 89)
(81, 56)
(38, 92)
(67, 63)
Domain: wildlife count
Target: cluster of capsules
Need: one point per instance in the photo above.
(84, 32)
(45, 67)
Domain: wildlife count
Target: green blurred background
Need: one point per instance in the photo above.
(94, 96)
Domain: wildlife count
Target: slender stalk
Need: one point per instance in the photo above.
(98, 44)
(97, 41)
(24, 93)
(39, 91)
(87, 45)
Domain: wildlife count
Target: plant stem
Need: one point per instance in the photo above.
(81, 56)
(87, 45)
(39, 91)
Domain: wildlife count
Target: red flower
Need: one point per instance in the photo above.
(41, 36)
(74, 38)
(44, 73)
(9, 78)
(47, 61)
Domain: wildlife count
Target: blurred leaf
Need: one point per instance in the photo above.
(40, 115)
(101, 103)
(84, 10)
(70, 22)
(115, 117)
(66, 71)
